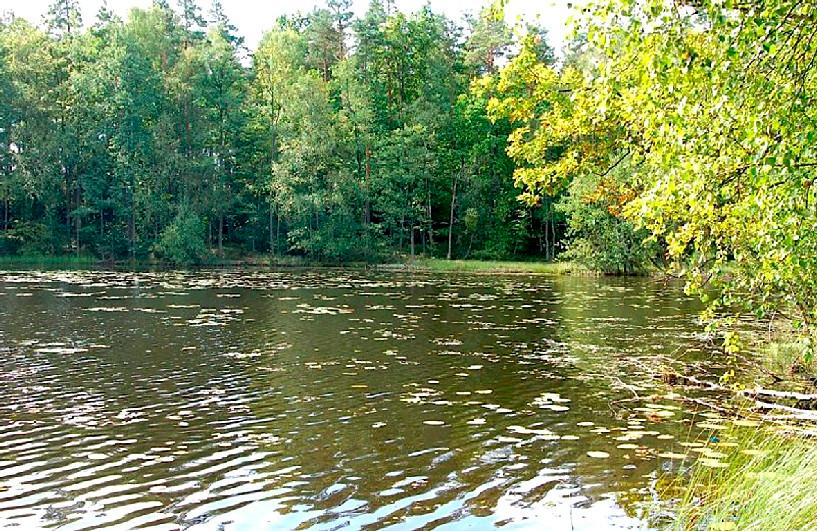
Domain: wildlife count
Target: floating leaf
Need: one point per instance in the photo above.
(710, 426)
(711, 463)
(672, 455)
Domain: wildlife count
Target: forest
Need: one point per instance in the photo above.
(678, 138)
(339, 139)
(668, 150)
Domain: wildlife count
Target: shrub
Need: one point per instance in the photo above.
(183, 241)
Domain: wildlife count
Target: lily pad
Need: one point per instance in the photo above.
(711, 463)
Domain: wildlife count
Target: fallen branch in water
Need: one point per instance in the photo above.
(709, 405)
(799, 414)
(674, 378)
(800, 397)
(794, 413)
(626, 386)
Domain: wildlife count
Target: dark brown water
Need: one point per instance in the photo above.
(332, 400)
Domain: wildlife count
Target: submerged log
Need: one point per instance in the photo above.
(796, 413)
(800, 397)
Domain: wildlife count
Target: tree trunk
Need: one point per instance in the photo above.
(132, 221)
(402, 229)
(552, 236)
(451, 216)
(430, 219)
(271, 247)
(221, 235)
(368, 181)
(277, 231)
(78, 220)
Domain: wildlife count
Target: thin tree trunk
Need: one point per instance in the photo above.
(221, 235)
(79, 223)
(430, 218)
(78, 218)
(451, 212)
(451, 217)
(132, 221)
(543, 247)
(368, 181)
(402, 229)
(271, 247)
(277, 231)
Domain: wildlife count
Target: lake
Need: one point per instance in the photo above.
(249, 400)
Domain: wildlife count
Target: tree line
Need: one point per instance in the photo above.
(695, 125)
(337, 139)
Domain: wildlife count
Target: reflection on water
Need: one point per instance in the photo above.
(327, 400)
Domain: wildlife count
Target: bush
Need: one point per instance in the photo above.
(183, 241)
(600, 240)
(32, 238)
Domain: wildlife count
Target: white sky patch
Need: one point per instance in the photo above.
(254, 17)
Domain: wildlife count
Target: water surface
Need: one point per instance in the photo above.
(247, 400)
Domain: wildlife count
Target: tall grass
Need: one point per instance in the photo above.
(774, 489)
(789, 357)
(479, 266)
(46, 260)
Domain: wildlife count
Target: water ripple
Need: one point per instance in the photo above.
(293, 400)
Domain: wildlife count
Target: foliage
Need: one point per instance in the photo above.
(183, 241)
(598, 238)
(535, 97)
(711, 107)
(110, 130)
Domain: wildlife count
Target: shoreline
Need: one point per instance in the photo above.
(433, 265)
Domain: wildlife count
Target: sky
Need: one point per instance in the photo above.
(254, 17)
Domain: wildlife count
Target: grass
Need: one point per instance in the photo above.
(479, 266)
(46, 260)
(788, 358)
(772, 490)
(263, 260)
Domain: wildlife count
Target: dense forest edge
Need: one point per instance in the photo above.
(162, 138)
(675, 137)
(678, 139)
